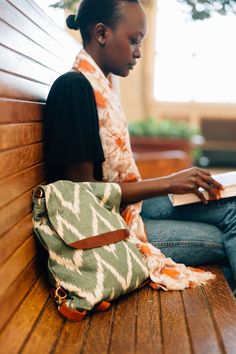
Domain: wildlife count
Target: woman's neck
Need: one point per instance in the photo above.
(97, 57)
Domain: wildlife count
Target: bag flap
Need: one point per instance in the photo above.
(84, 215)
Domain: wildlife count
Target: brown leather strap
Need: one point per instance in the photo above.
(103, 306)
(71, 314)
(60, 295)
(101, 240)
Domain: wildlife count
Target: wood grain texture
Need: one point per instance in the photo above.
(16, 135)
(73, 337)
(149, 330)
(22, 89)
(27, 68)
(174, 327)
(12, 14)
(16, 263)
(123, 332)
(99, 332)
(16, 41)
(24, 319)
(222, 306)
(14, 186)
(201, 328)
(16, 160)
(11, 300)
(65, 42)
(46, 331)
(14, 111)
(15, 237)
(15, 211)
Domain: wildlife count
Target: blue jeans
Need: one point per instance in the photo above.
(195, 234)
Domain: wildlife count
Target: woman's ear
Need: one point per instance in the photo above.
(101, 33)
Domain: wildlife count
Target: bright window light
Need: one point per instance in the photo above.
(195, 60)
(56, 14)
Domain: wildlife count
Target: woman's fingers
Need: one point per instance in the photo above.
(193, 180)
(201, 196)
(210, 180)
(207, 183)
(211, 190)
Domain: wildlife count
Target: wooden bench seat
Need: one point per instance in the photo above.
(200, 321)
(33, 52)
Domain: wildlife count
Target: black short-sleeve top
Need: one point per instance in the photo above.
(71, 126)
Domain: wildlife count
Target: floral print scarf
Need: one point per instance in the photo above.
(119, 166)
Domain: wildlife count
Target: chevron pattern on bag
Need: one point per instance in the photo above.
(75, 211)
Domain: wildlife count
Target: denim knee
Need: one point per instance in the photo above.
(192, 243)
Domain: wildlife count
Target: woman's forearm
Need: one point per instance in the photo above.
(133, 192)
(187, 181)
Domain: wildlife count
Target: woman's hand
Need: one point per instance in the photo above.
(190, 180)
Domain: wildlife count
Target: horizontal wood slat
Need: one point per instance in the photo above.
(176, 335)
(16, 263)
(200, 323)
(11, 300)
(16, 41)
(14, 17)
(102, 324)
(15, 237)
(25, 67)
(127, 308)
(24, 319)
(14, 111)
(22, 89)
(16, 160)
(49, 322)
(72, 337)
(14, 186)
(60, 36)
(151, 342)
(15, 135)
(223, 310)
(13, 212)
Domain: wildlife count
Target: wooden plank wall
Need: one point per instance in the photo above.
(33, 53)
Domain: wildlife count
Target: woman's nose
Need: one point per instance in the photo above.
(137, 53)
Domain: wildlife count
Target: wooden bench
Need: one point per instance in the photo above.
(33, 52)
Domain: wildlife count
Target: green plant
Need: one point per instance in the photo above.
(203, 9)
(198, 9)
(165, 128)
(66, 4)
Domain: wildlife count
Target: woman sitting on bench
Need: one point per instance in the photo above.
(87, 140)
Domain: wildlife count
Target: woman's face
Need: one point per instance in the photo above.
(123, 44)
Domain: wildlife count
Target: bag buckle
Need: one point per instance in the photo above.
(59, 295)
(39, 193)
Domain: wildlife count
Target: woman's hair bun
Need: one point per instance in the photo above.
(71, 23)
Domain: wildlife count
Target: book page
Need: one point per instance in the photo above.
(226, 179)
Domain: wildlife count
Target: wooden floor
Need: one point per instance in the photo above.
(200, 321)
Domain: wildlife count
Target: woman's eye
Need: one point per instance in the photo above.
(134, 41)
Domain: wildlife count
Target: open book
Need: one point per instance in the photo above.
(228, 180)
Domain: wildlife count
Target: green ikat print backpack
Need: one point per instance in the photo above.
(91, 258)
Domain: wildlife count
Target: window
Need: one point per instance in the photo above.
(195, 60)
